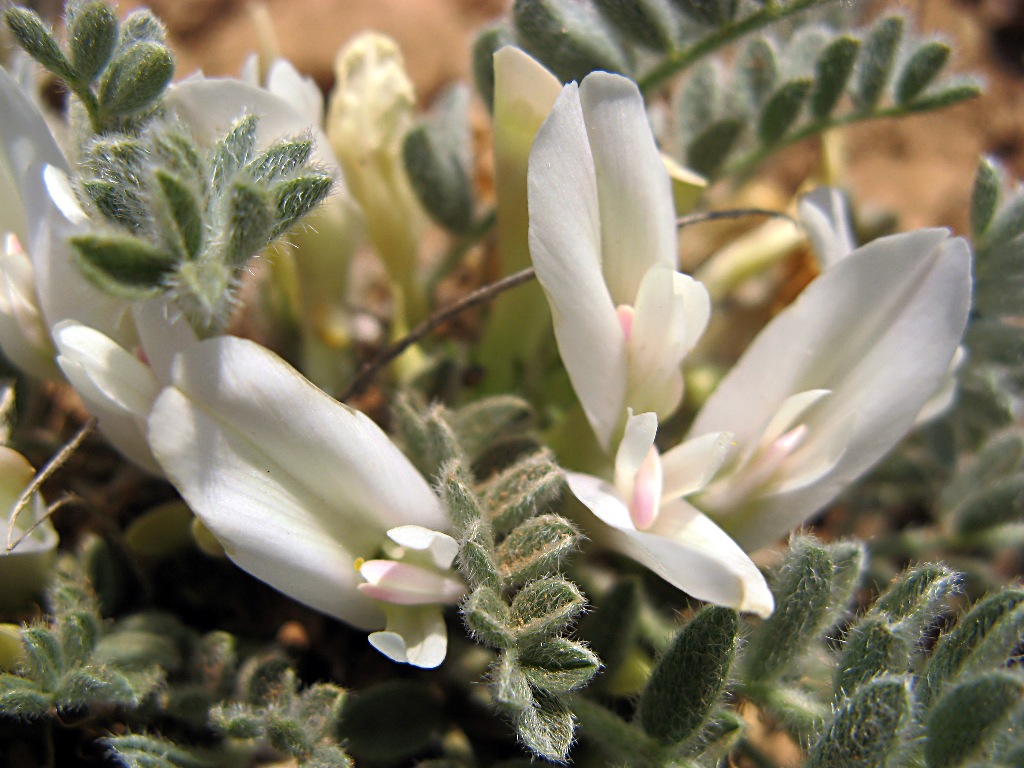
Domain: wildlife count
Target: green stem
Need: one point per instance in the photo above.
(91, 104)
(751, 160)
(682, 58)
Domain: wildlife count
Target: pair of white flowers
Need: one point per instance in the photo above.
(313, 498)
(826, 388)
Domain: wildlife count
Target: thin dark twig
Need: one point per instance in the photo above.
(41, 477)
(735, 213)
(477, 297)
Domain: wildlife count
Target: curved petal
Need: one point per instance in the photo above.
(637, 212)
(118, 388)
(690, 466)
(24, 337)
(407, 584)
(270, 525)
(441, 547)
(878, 329)
(565, 244)
(414, 635)
(283, 423)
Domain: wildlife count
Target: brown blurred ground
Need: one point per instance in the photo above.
(921, 167)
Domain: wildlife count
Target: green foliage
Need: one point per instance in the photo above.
(685, 685)
(173, 219)
(438, 160)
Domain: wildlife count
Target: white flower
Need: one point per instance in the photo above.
(651, 522)
(835, 380)
(603, 242)
(307, 495)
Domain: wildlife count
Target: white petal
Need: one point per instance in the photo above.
(664, 329)
(602, 498)
(407, 584)
(415, 635)
(163, 333)
(285, 534)
(790, 413)
(442, 547)
(64, 292)
(118, 388)
(301, 92)
(328, 447)
(25, 143)
(24, 337)
(637, 441)
(637, 213)
(565, 244)
(691, 465)
(826, 217)
(878, 329)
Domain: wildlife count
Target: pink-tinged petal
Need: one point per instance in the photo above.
(691, 465)
(789, 415)
(414, 635)
(565, 244)
(878, 329)
(826, 217)
(270, 524)
(637, 212)
(118, 388)
(441, 547)
(645, 501)
(335, 452)
(408, 584)
(637, 441)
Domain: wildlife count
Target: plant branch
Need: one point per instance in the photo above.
(682, 58)
(477, 297)
(734, 213)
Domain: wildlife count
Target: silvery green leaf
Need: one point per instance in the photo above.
(685, 685)
(1007, 224)
(649, 23)
(173, 197)
(23, 698)
(92, 37)
(988, 184)
(962, 89)
(803, 598)
(38, 42)
(487, 43)
(545, 607)
(122, 264)
(295, 197)
(782, 110)
(547, 728)
(280, 159)
(79, 630)
(135, 79)
(44, 658)
(918, 594)
(509, 683)
(757, 71)
(117, 203)
(985, 637)
(439, 177)
(537, 547)
(866, 730)
(141, 26)
(831, 73)
(523, 490)
(92, 685)
(568, 37)
(875, 63)
(559, 665)
(709, 149)
(969, 717)
(487, 420)
(249, 222)
(871, 649)
(487, 616)
(234, 150)
(476, 557)
(920, 70)
(460, 499)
